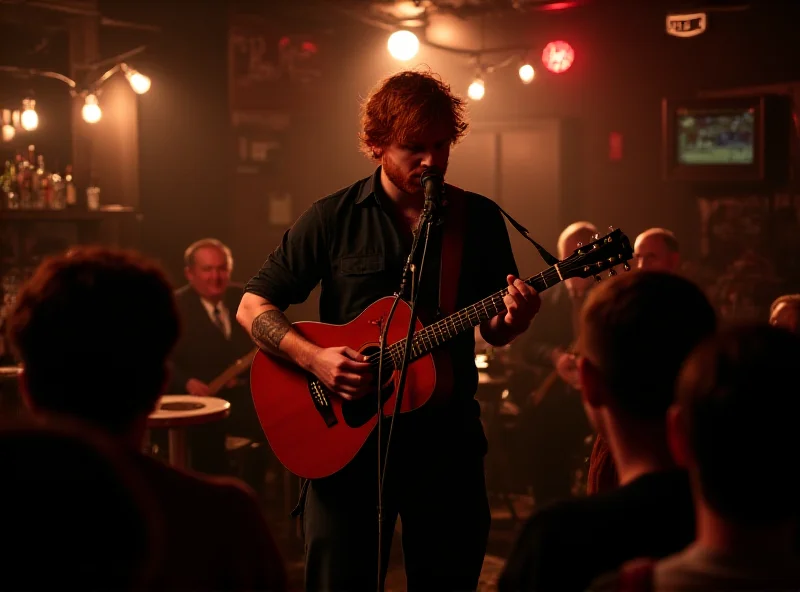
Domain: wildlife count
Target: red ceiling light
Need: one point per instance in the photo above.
(558, 56)
(559, 5)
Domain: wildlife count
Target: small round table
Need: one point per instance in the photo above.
(176, 412)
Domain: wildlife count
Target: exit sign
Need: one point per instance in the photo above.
(686, 25)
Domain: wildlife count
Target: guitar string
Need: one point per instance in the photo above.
(496, 300)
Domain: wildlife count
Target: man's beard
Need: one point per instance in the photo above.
(403, 182)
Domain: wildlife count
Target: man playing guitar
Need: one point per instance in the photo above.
(356, 242)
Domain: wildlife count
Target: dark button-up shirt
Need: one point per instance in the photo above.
(352, 242)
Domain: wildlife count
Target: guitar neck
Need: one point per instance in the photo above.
(231, 372)
(450, 327)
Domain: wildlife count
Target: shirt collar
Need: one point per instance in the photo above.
(210, 308)
(371, 187)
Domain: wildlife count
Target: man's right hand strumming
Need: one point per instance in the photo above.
(341, 369)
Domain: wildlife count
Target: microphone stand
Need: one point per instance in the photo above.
(424, 226)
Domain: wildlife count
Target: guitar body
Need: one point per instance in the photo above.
(315, 433)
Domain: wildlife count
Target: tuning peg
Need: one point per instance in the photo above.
(612, 272)
(611, 229)
(626, 267)
(597, 279)
(580, 245)
(595, 237)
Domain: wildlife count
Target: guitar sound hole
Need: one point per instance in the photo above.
(357, 413)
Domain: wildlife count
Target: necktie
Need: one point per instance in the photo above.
(218, 319)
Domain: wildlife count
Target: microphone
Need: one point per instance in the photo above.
(432, 181)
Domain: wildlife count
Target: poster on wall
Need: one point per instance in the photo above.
(269, 68)
(261, 141)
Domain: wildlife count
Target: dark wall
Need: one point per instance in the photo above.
(183, 125)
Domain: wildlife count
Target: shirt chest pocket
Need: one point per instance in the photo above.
(362, 265)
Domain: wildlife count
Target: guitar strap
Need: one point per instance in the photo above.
(453, 245)
(455, 223)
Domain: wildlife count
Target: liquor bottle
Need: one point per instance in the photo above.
(40, 184)
(71, 191)
(10, 199)
(24, 182)
(58, 190)
(34, 180)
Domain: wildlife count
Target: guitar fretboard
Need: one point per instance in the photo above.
(442, 331)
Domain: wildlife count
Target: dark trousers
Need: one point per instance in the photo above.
(438, 491)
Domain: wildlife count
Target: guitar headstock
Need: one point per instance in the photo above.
(603, 253)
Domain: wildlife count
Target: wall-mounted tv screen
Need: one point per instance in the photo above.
(726, 139)
(715, 136)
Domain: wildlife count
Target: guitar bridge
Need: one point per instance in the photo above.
(321, 401)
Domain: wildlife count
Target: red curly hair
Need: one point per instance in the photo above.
(406, 104)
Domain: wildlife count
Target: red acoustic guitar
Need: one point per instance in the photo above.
(315, 433)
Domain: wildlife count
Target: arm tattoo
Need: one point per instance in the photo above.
(269, 328)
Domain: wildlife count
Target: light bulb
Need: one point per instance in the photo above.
(91, 110)
(8, 132)
(526, 73)
(403, 45)
(139, 82)
(29, 118)
(476, 90)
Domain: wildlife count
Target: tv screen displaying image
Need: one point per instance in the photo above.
(719, 137)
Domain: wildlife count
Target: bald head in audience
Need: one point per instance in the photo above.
(785, 312)
(657, 249)
(577, 233)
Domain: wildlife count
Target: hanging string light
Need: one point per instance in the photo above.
(477, 89)
(403, 45)
(91, 111)
(29, 118)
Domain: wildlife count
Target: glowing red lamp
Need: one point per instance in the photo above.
(558, 56)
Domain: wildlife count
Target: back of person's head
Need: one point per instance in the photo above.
(93, 329)
(738, 410)
(76, 513)
(636, 331)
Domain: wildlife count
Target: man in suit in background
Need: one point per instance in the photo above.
(212, 341)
